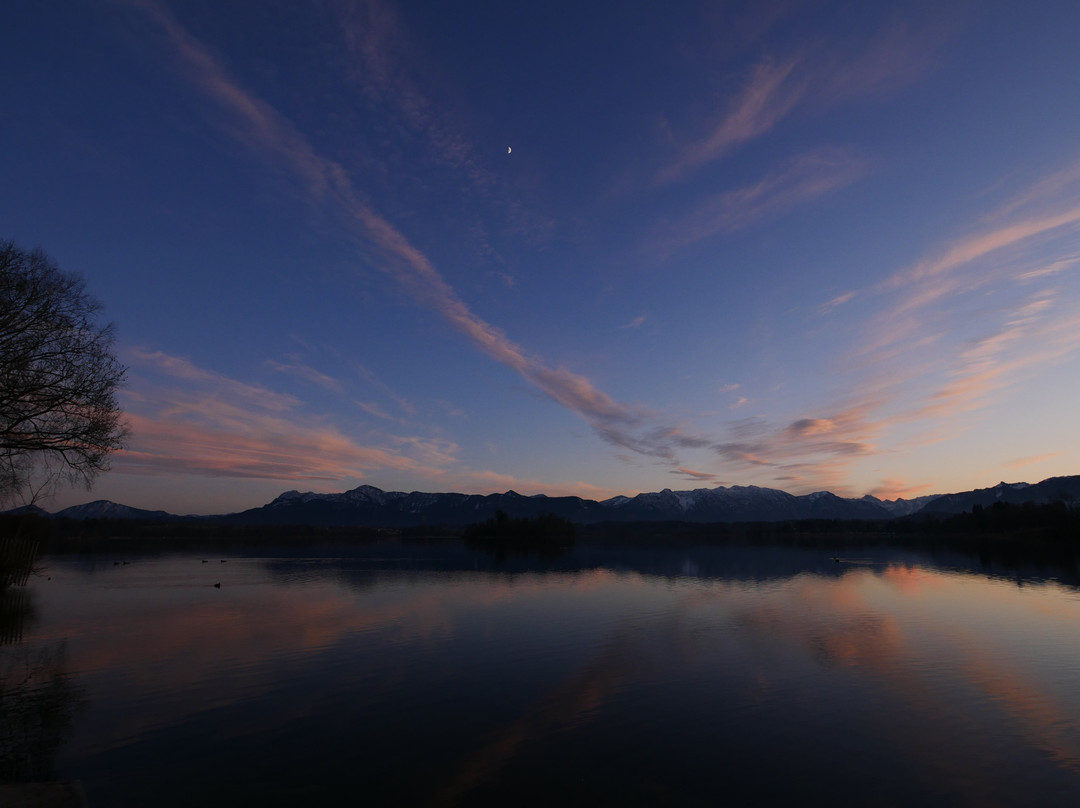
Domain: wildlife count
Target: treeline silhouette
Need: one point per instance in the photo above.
(61, 534)
(1029, 523)
(1052, 525)
(546, 535)
(1050, 520)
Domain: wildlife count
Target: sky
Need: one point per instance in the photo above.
(563, 248)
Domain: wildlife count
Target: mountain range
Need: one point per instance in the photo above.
(373, 507)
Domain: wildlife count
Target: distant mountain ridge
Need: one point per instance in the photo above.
(1053, 489)
(104, 509)
(369, 506)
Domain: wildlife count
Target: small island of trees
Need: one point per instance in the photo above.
(545, 535)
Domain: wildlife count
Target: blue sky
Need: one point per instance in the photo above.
(804, 245)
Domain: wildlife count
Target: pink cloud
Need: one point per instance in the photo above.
(186, 419)
(697, 476)
(270, 448)
(967, 250)
(1053, 268)
(183, 369)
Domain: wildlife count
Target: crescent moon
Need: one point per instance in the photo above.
(508, 150)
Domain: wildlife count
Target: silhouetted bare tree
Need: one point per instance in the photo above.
(59, 417)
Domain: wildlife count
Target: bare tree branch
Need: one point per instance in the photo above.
(59, 417)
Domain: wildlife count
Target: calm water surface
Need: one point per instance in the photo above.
(411, 675)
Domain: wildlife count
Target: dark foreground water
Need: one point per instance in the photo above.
(411, 675)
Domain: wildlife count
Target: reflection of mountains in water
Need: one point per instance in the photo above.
(365, 567)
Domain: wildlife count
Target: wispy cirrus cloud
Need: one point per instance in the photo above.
(839, 300)
(258, 125)
(696, 476)
(403, 403)
(383, 64)
(1024, 462)
(772, 90)
(184, 370)
(818, 75)
(923, 397)
(966, 250)
(277, 449)
(1026, 241)
(801, 180)
(1053, 268)
(188, 420)
(296, 368)
(395, 76)
(1023, 260)
(959, 328)
(371, 408)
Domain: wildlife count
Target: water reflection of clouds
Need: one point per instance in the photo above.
(179, 654)
(894, 628)
(922, 644)
(911, 580)
(1045, 722)
(178, 662)
(573, 701)
(934, 667)
(835, 623)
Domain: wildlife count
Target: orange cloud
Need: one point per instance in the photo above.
(898, 489)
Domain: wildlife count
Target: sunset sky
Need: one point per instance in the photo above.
(566, 248)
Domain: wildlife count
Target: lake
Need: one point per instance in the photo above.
(411, 674)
